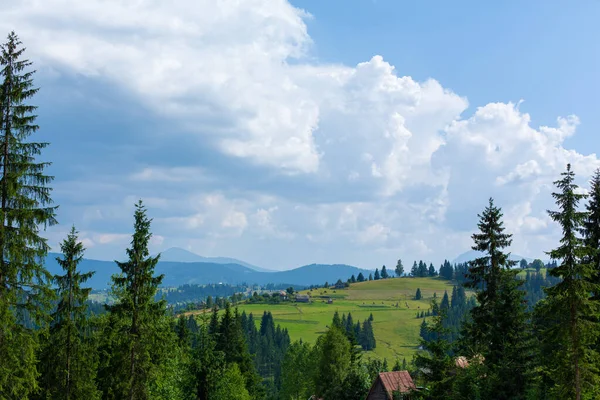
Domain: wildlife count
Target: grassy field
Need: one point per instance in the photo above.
(391, 301)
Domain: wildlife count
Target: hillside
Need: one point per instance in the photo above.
(396, 328)
(180, 273)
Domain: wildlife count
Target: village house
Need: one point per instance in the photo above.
(302, 298)
(396, 385)
(283, 295)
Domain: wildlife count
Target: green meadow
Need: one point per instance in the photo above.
(391, 301)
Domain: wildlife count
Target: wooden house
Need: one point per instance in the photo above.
(396, 385)
(302, 298)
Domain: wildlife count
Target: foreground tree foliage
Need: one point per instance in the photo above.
(138, 345)
(498, 331)
(570, 325)
(68, 357)
(24, 206)
(435, 360)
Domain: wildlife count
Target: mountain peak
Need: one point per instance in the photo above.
(177, 254)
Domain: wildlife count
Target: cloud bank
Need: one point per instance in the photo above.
(241, 144)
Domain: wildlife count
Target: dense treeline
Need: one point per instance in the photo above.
(526, 338)
(198, 295)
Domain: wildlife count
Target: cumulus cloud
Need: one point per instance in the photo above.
(346, 160)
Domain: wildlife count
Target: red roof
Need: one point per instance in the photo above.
(397, 381)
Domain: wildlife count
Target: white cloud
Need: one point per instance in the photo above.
(108, 238)
(411, 166)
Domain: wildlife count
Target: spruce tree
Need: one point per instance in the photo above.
(591, 228)
(572, 315)
(414, 271)
(139, 314)
(334, 364)
(423, 270)
(24, 206)
(68, 360)
(432, 271)
(418, 295)
(361, 277)
(370, 277)
(498, 330)
(399, 269)
(337, 321)
(384, 273)
(376, 276)
(445, 304)
(434, 361)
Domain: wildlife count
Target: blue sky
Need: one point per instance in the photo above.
(289, 133)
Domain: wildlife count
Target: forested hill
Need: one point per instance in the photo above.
(181, 273)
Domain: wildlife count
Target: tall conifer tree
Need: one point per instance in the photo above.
(24, 206)
(498, 330)
(139, 313)
(68, 357)
(591, 228)
(572, 326)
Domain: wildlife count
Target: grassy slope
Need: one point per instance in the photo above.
(396, 328)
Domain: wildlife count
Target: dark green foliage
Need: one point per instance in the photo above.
(334, 364)
(298, 369)
(445, 304)
(232, 343)
(446, 270)
(434, 361)
(268, 346)
(384, 273)
(139, 343)
(498, 330)
(418, 295)
(591, 229)
(432, 271)
(414, 271)
(537, 264)
(366, 337)
(24, 206)
(376, 276)
(353, 279)
(337, 321)
(68, 358)
(399, 268)
(206, 366)
(370, 277)
(570, 325)
(422, 271)
(523, 263)
(361, 277)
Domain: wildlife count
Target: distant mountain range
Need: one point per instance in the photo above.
(191, 272)
(177, 254)
(472, 254)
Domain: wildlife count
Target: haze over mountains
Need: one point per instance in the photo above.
(177, 254)
(214, 270)
(184, 267)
